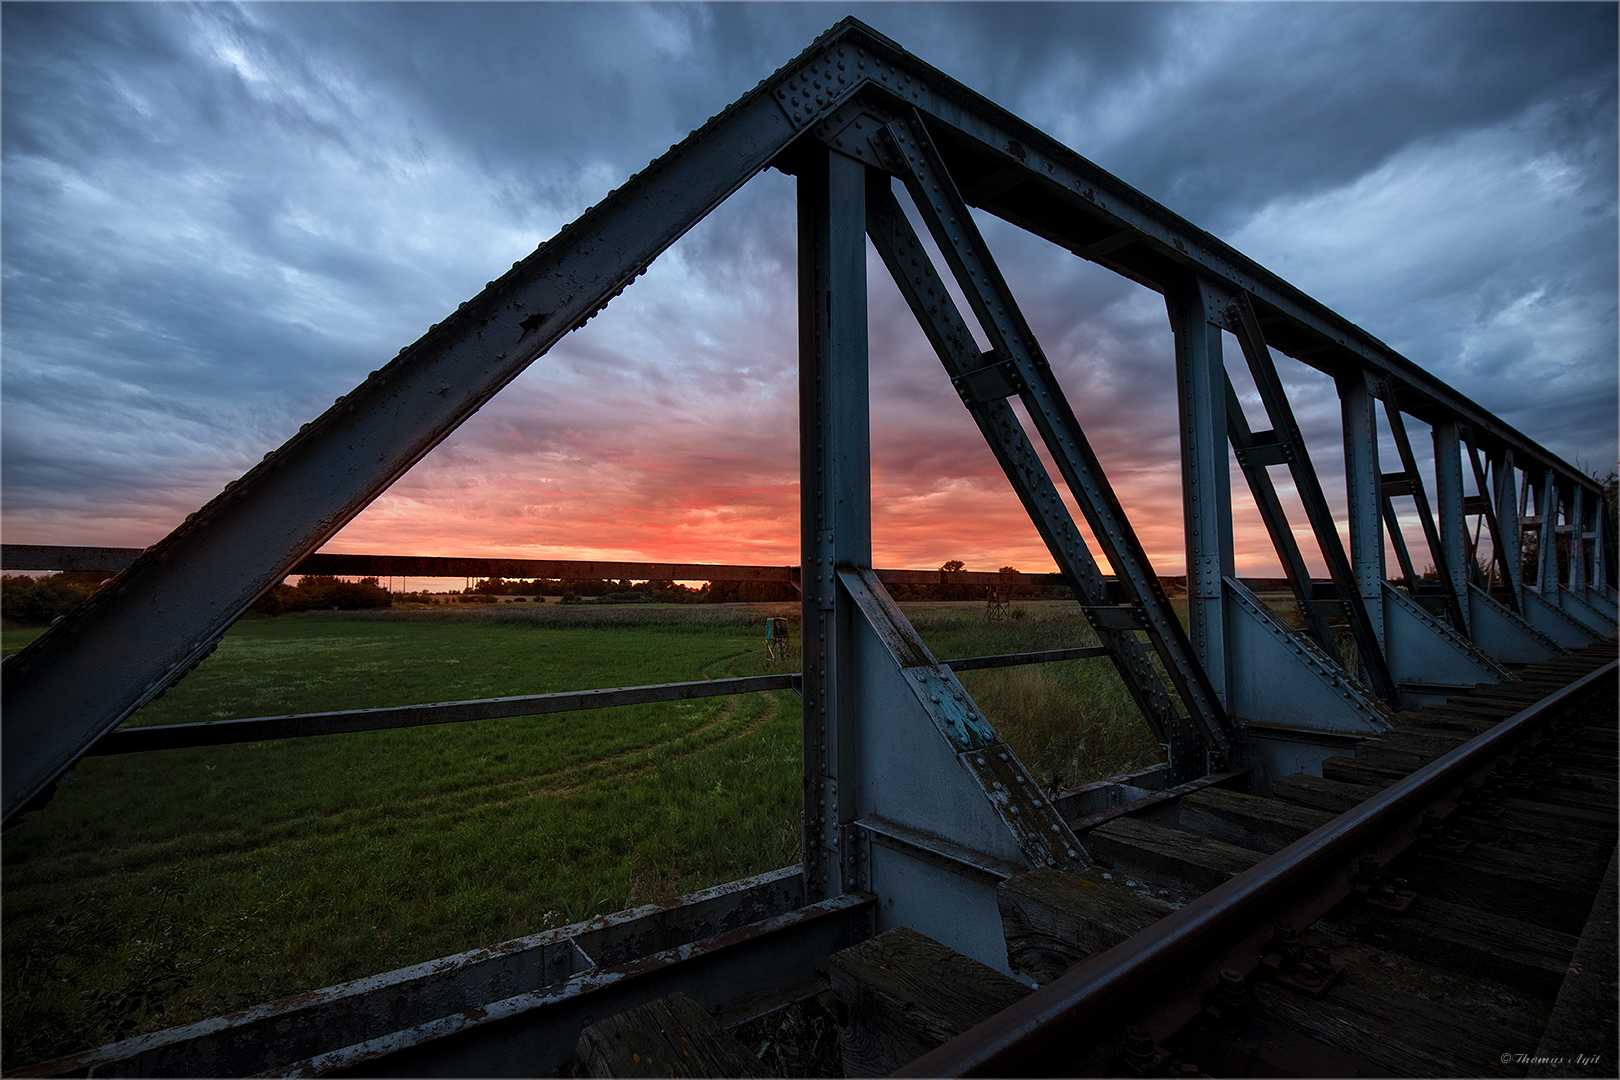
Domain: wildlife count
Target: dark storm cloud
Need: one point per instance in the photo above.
(217, 218)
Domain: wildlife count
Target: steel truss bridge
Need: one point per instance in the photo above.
(914, 809)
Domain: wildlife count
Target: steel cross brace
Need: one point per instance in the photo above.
(1493, 522)
(1254, 452)
(1285, 435)
(1018, 366)
(903, 253)
(1397, 539)
(1547, 549)
(1413, 481)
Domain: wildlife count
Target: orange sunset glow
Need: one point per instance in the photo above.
(209, 241)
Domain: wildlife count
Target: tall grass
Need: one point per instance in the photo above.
(306, 862)
(312, 861)
(1070, 722)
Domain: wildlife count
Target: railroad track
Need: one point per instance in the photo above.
(1441, 903)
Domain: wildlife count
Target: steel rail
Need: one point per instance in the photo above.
(1035, 1025)
(143, 739)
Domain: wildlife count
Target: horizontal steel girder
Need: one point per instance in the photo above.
(147, 738)
(52, 557)
(515, 1009)
(1013, 170)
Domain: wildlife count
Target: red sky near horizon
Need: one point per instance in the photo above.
(189, 280)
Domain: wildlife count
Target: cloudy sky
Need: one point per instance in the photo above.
(216, 219)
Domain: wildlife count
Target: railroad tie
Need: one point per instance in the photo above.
(902, 993)
(1053, 919)
(672, 1036)
(1435, 947)
(1173, 858)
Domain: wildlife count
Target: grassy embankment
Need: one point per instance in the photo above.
(312, 861)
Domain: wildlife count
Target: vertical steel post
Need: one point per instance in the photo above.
(1547, 553)
(1449, 511)
(1364, 485)
(1577, 544)
(1252, 454)
(1196, 312)
(1507, 516)
(835, 515)
(1600, 544)
(1488, 494)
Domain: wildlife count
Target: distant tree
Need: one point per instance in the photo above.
(324, 591)
(31, 601)
(955, 566)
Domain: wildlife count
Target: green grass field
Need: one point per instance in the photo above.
(161, 888)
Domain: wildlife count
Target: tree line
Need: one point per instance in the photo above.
(31, 601)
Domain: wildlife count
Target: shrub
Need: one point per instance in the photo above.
(39, 601)
(325, 593)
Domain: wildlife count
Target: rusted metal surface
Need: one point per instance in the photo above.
(930, 848)
(535, 1033)
(724, 941)
(1021, 1039)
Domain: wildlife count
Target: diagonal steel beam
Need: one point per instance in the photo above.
(1431, 534)
(1397, 540)
(165, 613)
(1493, 522)
(1547, 504)
(1253, 456)
(1020, 174)
(910, 153)
(1285, 430)
(913, 271)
